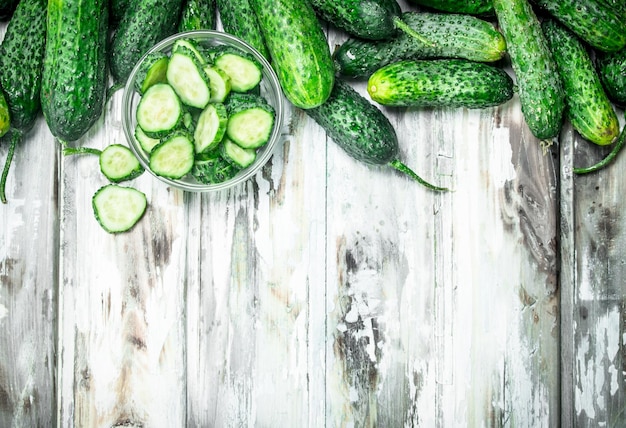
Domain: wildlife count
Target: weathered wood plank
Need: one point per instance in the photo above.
(28, 283)
(594, 295)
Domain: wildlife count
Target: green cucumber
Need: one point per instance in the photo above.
(250, 120)
(21, 64)
(144, 23)
(188, 78)
(539, 85)
(5, 115)
(173, 157)
(152, 70)
(238, 156)
(159, 111)
(599, 25)
(7, 8)
(453, 36)
(147, 143)
(243, 70)
(588, 108)
(117, 8)
(118, 163)
(298, 49)
(440, 83)
(117, 208)
(198, 15)
(472, 7)
(210, 127)
(74, 75)
(369, 19)
(361, 129)
(212, 168)
(219, 83)
(612, 71)
(239, 19)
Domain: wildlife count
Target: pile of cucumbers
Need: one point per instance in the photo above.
(568, 62)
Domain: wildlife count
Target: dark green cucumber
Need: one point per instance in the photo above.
(198, 15)
(21, 69)
(612, 71)
(588, 108)
(7, 7)
(144, 23)
(239, 20)
(117, 8)
(361, 129)
(453, 36)
(298, 49)
(5, 115)
(593, 21)
(539, 85)
(74, 74)
(368, 19)
(472, 7)
(440, 83)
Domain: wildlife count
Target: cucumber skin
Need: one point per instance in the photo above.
(612, 71)
(472, 7)
(21, 62)
(588, 107)
(198, 15)
(480, 41)
(74, 73)
(440, 83)
(239, 20)
(357, 126)
(592, 20)
(7, 7)
(367, 19)
(144, 23)
(539, 85)
(299, 50)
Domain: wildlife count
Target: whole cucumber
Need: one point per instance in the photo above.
(480, 41)
(298, 50)
(239, 19)
(440, 83)
(198, 15)
(589, 109)
(612, 71)
(74, 74)
(472, 7)
(361, 130)
(539, 85)
(592, 20)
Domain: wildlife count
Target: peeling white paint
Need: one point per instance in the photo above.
(3, 311)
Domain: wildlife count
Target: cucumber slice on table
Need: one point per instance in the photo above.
(237, 155)
(186, 75)
(117, 208)
(159, 110)
(210, 127)
(244, 70)
(118, 163)
(174, 156)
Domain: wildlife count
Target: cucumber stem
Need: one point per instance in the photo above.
(619, 144)
(408, 171)
(81, 151)
(16, 137)
(399, 23)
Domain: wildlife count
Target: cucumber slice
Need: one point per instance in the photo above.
(237, 155)
(190, 46)
(117, 209)
(219, 83)
(118, 163)
(151, 71)
(174, 156)
(243, 69)
(251, 120)
(210, 128)
(212, 168)
(159, 110)
(146, 143)
(187, 77)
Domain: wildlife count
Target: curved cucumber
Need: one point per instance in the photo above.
(198, 15)
(452, 35)
(612, 71)
(298, 49)
(539, 85)
(588, 107)
(239, 20)
(472, 7)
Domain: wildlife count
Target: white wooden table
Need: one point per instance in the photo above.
(322, 292)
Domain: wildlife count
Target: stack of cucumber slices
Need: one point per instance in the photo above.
(201, 113)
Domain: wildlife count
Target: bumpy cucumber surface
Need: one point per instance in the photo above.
(238, 19)
(7, 7)
(361, 129)
(298, 49)
(144, 23)
(472, 7)
(440, 83)
(592, 20)
(612, 71)
(539, 85)
(588, 107)
(74, 75)
(198, 15)
(452, 36)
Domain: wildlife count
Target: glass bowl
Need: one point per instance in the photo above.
(269, 88)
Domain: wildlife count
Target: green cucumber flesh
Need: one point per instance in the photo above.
(117, 208)
(219, 83)
(159, 110)
(146, 143)
(210, 127)
(244, 73)
(173, 157)
(151, 71)
(118, 163)
(188, 79)
(237, 155)
(251, 128)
